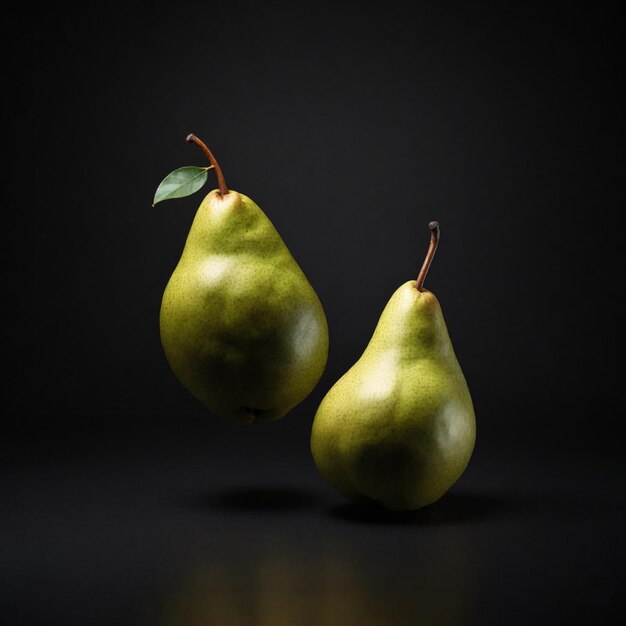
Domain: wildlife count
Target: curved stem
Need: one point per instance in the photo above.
(432, 248)
(221, 183)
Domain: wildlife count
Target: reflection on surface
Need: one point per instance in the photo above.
(345, 581)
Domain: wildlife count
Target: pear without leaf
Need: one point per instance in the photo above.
(242, 328)
(399, 428)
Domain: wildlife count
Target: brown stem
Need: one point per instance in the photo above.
(221, 183)
(432, 248)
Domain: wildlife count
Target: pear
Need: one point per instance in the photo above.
(241, 326)
(398, 428)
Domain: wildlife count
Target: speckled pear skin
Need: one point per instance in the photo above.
(242, 328)
(399, 427)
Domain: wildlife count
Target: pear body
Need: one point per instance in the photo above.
(242, 328)
(399, 427)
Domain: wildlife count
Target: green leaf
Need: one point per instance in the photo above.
(180, 183)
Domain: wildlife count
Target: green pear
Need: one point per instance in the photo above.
(241, 326)
(398, 428)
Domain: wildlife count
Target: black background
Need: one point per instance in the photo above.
(352, 125)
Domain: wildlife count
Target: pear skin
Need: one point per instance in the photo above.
(399, 427)
(241, 326)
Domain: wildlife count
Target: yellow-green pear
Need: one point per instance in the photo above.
(242, 328)
(398, 428)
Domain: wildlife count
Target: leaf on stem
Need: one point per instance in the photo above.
(181, 182)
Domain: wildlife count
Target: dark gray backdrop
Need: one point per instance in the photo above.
(351, 127)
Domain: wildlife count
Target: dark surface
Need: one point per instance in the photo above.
(180, 527)
(352, 125)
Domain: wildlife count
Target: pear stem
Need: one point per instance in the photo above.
(221, 183)
(432, 248)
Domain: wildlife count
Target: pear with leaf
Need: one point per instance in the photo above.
(398, 428)
(242, 328)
